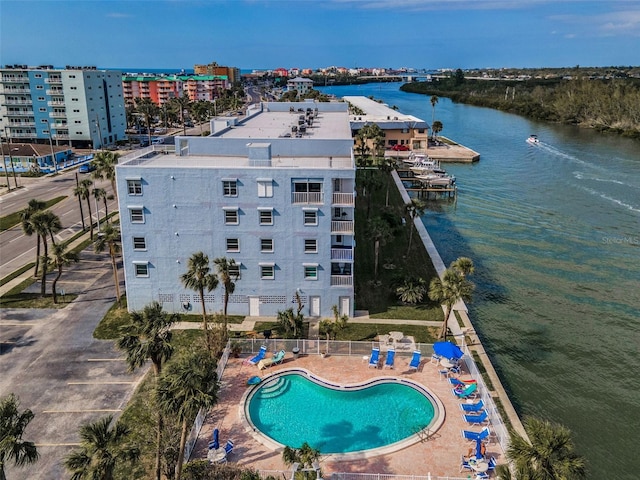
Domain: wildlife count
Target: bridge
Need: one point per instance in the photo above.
(404, 77)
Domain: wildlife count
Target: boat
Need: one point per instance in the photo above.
(425, 166)
(533, 139)
(414, 158)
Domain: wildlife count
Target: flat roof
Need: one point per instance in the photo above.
(381, 113)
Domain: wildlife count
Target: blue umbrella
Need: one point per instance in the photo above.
(479, 449)
(216, 440)
(447, 350)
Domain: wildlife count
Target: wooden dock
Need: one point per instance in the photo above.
(422, 187)
(450, 151)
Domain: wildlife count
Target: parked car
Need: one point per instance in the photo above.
(86, 168)
(400, 148)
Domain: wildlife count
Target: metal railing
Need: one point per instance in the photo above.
(342, 227)
(307, 197)
(341, 280)
(342, 254)
(343, 199)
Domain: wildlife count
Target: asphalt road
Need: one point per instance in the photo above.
(50, 360)
(16, 249)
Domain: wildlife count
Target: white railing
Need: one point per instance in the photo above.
(341, 280)
(342, 254)
(55, 91)
(343, 199)
(55, 103)
(23, 113)
(54, 80)
(307, 197)
(58, 115)
(15, 80)
(11, 91)
(23, 135)
(60, 136)
(18, 102)
(22, 124)
(342, 227)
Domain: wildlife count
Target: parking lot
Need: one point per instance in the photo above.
(51, 361)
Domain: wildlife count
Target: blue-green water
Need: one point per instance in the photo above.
(554, 232)
(292, 410)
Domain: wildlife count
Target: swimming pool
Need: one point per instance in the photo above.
(294, 406)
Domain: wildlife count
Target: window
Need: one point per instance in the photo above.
(233, 245)
(310, 217)
(234, 271)
(265, 187)
(231, 217)
(141, 269)
(134, 187)
(266, 245)
(139, 243)
(230, 188)
(266, 217)
(137, 215)
(311, 272)
(310, 245)
(267, 272)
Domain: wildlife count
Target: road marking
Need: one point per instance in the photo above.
(100, 383)
(84, 411)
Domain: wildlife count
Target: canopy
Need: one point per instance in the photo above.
(447, 350)
(216, 440)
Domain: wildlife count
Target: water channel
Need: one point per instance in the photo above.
(554, 232)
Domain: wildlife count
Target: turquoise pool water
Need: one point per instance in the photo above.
(291, 409)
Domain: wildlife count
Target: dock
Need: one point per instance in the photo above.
(449, 151)
(422, 189)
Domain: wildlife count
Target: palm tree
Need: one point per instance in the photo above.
(464, 266)
(61, 258)
(227, 269)
(305, 456)
(387, 165)
(436, 128)
(290, 323)
(183, 105)
(415, 208)
(105, 162)
(187, 386)
(200, 111)
(13, 423)
(412, 290)
(27, 226)
(549, 455)
(434, 101)
(380, 232)
(448, 290)
(102, 448)
(109, 237)
(100, 194)
(199, 279)
(148, 337)
(149, 110)
(45, 223)
(83, 191)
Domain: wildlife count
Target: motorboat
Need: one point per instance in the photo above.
(533, 139)
(426, 166)
(415, 158)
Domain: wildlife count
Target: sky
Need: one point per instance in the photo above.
(267, 34)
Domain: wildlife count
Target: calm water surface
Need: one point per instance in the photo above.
(554, 231)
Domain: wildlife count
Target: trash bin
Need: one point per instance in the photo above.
(296, 352)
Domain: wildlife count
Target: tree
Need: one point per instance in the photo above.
(412, 290)
(45, 223)
(61, 258)
(227, 271)
(27, 226)
(102, 448)
(380, 232)
(290, 323)
(83, 191)
(148, 110)
(199, 278)
(148, 337)
(436, 128)
(109, 238)
(387, 165)
(434, 101)
(415, 208)
(201, 110)
(13, 423)
(549, 455)
(187, 386)
(183, 105)
(448, 290)
(463, 265)
(306, 457)
(100, 194)
(105, 162)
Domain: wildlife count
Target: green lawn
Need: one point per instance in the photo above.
(13, 219)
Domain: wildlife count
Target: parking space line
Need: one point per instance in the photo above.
(104, 410)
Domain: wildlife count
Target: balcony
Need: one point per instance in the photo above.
(22, 113)
(23, 124)
(342, 227)
(59, 125)
(342, 253)
(53, 80)
(56, 103)
(307, 197)
(24, 135)
(15, 80)
(55, 91)
(15, 91)
(17, 102)
(345, 199)
(341, 280)
(60, 136)
(58, 115)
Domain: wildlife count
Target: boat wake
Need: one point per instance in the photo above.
(633, 208)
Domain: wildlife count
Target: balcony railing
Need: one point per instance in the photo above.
(55, 91)
(23, 124)
(343, 199)
(58, 115)
(17, 102)
(53, 80)
(23, 135)
(341, 280)
(59, 125)
(22, 113)
(56, 103)
(307, 197)
(15, 80)
(342, 254)
(11, 91)
(60, 136)
(342, 227)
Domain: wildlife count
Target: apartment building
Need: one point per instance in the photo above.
(275, 191)
(161, 89)
(232, 73)
(78, 106)
(398, 128)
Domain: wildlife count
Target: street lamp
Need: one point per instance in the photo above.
(53, 155)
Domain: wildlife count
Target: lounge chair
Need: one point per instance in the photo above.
(228, 448)
(457, 382)
(492, 463)
(391, 355)
(477, 419)
(274, 360)
(375, 357)
(415, 360)
(474, 436)
(259, 356)
(472, 407)
(435, 358)
(466, 392)
(481, 476)
(464, 465)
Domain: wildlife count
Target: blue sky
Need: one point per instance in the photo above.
(316, 33)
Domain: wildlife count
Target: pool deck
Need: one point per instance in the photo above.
(438, 455)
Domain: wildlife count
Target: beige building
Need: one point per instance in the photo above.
(232, 73)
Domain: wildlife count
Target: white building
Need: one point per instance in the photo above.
(302, 85)
(77, 106)
(274, 191)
